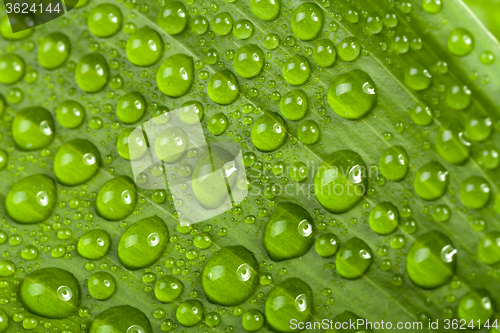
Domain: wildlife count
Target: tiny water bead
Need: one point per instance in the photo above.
(217, 123)
(487, 57)
(94, 244)
(168, 288)
(349, 49)
(384, 218)
(452, 144)
(431, 260)
(268, 132)
(324, 53)
(51, 293)
(176, 75)
(293, 105)
(252, 320)
(230, 276)
(223, 87)
(54, 50)
(308, 132)
(243, 29)
(478, 128)
(117, 199)
(222, 24)
(441, 213)
(488, 249)
(131, 144)
(271, 41)
(70, 114)
(171, 144)
(33, 128)
(394, 163)
(307, 21)
(341, 181)
(460, 42)
(12, 68)
(432, 6)
(190, 313)
(296, 70)
(92, 73)
(298, 171)
(352, 95)
(458, 97)
(475, 192)
(326, 245)
(105, 20)
(289, 232)
(248, 61)
(31, 199)
(144, 47)
(431, 181)
(131, 107)
(173, 17)
(476, 308)
(417, 77)
(266, 10)
(76, 162)
(421, 114)
(102, 285)
(354, 258)
(123, 318)
(143, 243)
(290, 300)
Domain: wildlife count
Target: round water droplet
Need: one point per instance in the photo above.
(417, 77)
(384, 218)
(324, 53)
(222, 24)
(199, 25)
(293, 104)
(349, 49)
(476, 308)
(143, 243)
(327, 245)
(290, 300)
(144, 47)
(341, 181)
(289, 232)
(266, 9)
(271, 41)
(223, 87)
(475, 192)
(431, 260)
(432, 6)
(92, 73)
(12, 68)
(458, 97)
(70, 114)
(248, 61)
(431, 181)
(307, 21)
(32, 199)
(171, 144)
(173, 17)
(7, 268)
(352, 95)
(6, 28)
(117, 199)
(394, 163)
(230, 276)
(102, 285)
(308, 132)
(243, 29)
(421, 114)
(460, 42)
(190, 313)
(53, 51)
(123, 319)
(175, 75)
(487, 57)
(105, 20)
(94, 244)
(452, 144)
(168, 288)
(76, 162)
(131, 107)
(218, 123)
(354, 258)
(33, 128)
(296, 70)
(51, 293)
(268, 132)
(374, 23)
(478, 128)
(488, 249)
